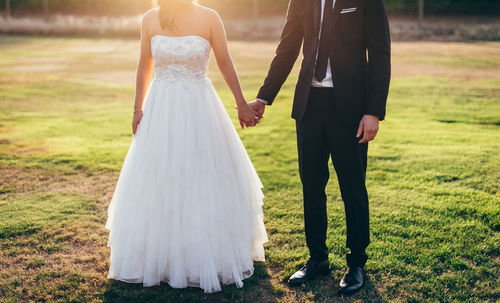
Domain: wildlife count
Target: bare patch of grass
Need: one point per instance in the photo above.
(452, 60)
(46, 262)
(413, 70)
(85, 184)
(66, 260)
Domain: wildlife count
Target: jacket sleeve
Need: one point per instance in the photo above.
(286, 54)
(378, 44)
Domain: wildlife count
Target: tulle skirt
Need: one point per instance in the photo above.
(187, 208)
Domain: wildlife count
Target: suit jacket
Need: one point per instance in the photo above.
(359, 56)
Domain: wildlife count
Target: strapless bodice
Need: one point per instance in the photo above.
(180, 59)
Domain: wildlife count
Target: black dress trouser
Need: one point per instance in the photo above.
(322, 134)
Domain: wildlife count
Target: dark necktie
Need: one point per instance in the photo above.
(324, 50)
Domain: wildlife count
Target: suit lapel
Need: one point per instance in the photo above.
(316, 15)
(336, 13)
(316, 8)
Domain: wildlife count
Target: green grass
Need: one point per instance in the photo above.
(433, 176)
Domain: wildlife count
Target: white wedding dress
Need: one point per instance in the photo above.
(187, 208)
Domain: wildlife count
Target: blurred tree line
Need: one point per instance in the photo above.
(238, 7)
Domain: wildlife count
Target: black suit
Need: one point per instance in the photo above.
(327, 118)
(361, 85)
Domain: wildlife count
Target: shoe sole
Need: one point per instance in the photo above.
(324, 272)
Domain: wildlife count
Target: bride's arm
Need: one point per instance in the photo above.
(144, 70)
(225, 63)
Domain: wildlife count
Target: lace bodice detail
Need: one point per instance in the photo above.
(180, 59)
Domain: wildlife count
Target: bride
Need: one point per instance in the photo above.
(187, 208)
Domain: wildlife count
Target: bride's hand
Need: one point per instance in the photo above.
(136, 120)
(247, 116)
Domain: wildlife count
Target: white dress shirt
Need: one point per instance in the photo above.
(328, 80)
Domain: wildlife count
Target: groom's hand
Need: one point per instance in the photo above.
(247, 116)
(368, 127)
(258, 107)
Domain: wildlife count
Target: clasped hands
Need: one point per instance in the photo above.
(250, 114)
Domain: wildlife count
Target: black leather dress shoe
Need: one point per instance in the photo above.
(309, 271)
(352, 281)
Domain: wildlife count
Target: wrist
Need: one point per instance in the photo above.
(373, 116)
(241, 102)
(262, 101)
(136, 110)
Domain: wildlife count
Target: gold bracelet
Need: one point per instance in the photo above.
(137, 110)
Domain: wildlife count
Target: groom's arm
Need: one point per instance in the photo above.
(286, 54)
(378, 41)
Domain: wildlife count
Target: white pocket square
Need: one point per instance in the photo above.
(348, 10)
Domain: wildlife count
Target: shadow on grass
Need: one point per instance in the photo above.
(485, 122)
(257, 288)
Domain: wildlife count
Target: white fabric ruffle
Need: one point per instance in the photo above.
(187, 208)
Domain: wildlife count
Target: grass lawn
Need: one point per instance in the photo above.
(433, 176)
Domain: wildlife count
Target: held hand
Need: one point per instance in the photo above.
(247, 116)
(368, 127)
(136, 120)
(258, 107)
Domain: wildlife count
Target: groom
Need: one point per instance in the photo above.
(340, 98)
